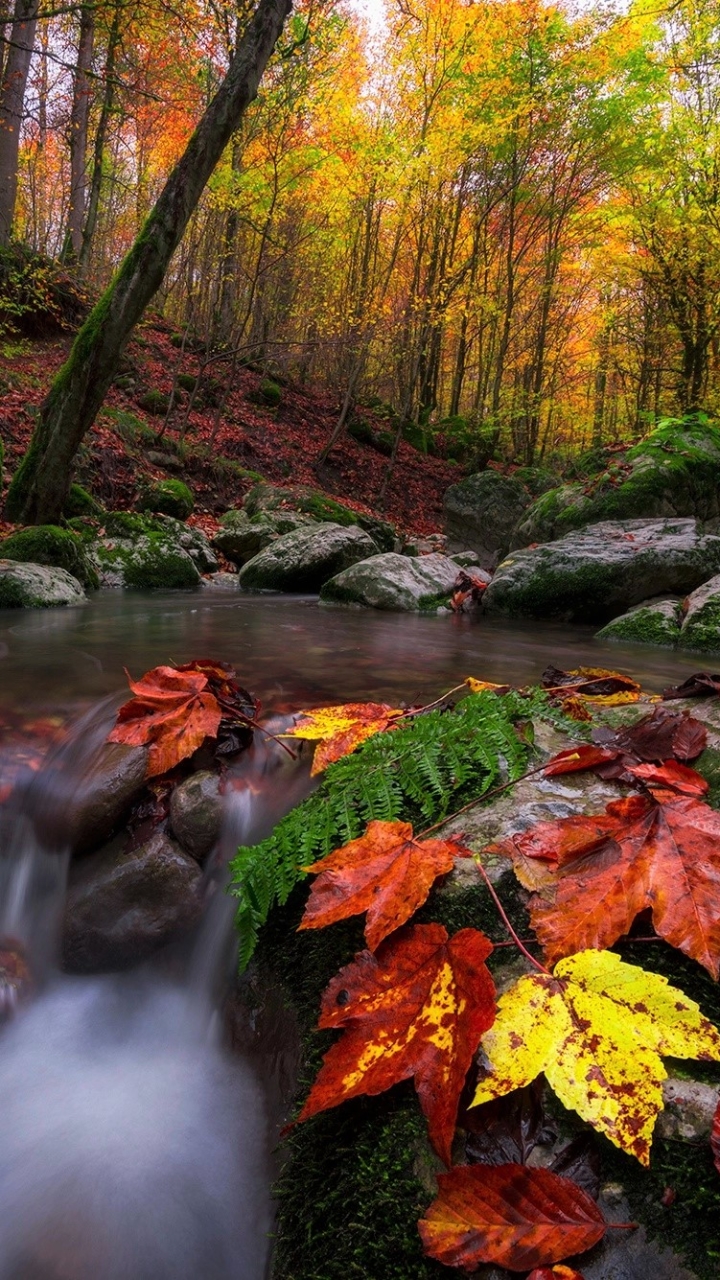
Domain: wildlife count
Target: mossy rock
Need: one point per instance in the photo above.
(481, 511)
(657, 622)
(154, 402)
(146, 563)
(187, 381)
(37, 586)
(672, 472)
(701, 623)
(130, 428)
(81, 503)
(47, 544)
(167, 497)
(268, 394)
(312, 502)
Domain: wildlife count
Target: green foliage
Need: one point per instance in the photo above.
(187, 381)
(167, 497)
(49, 545)
(268, 393)
(130, 428)
(37, 298)
(419, 772)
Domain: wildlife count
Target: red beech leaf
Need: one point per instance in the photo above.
(172, 711)
(385, 872)
(715, 1138)
(510, 1215)
(670, 779)
(417, 1007)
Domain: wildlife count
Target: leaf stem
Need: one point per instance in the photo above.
(506, 921)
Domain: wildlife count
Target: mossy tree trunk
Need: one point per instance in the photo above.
(41, 483)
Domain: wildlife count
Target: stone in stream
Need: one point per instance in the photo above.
(37, 586)
(652, 622)
(701, 621)
(82, 811)
(196, 811)
(241, 537)
(144, 552)
(481, 513)
(306, 558)
(392, 581)
(598, 572)
(121, 906)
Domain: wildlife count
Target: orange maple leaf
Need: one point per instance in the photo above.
(510, 1215)
(659, 851)
(172, 711)
(340, 730)
(385, 872)
(417, 1007)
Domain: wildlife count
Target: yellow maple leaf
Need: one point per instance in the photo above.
(596, 1027)
(484, 686)
(340, 730)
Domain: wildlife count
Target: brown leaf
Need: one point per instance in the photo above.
(661, 735)
(701, 685)
(385, 873)
(510, 1215)
(506, 1130)
(418, 1007)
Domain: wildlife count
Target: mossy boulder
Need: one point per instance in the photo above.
(594, 574)
(321, 507)
(241, 537)
(653, 622)
(674, 471)
(268, 393)
(49, 545)
(701, 623)
(306, 558)
(154, 402)
(167, 497)
(80, 503)
(481, 512)
(37, 586)
(151, 552)
(395, 582)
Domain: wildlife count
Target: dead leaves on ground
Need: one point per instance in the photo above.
(418, 1007)
(661, 735)
(341, 729)
(386, 873)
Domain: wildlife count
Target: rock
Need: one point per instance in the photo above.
(142, 552)
(196, 811)
(100, 797)
(393, 581)
(221, 582)
(241, 537)
(191, 539)
(167, 497)
(320, 507)
(434, 542)
(37, 586)
(481, 513)
(121, 906)
(595, 573)
(467, 560)
(672, 472)
(652, 622)
(306, 558)
(689, 1109)
(49, 545)
(701, 623)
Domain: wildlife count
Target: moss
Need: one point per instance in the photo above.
(709, 766)
(167, 497)
(130, 428)
(702, 628)
(49, 545)
(154, 402)
(187, 381)
(644, 626)
(128, 524)
(12, 595)
(160, 567)
(268, 394)
(431, 604)
(80, 503)
(562, 593)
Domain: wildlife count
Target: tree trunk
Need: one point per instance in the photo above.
(41, 483)
(79, 118)
(12, 98)
(93, 204)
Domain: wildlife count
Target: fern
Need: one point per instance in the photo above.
(419, 773)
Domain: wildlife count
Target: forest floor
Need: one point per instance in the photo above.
(225, 443)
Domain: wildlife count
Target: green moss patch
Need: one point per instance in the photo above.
(49, 545)
(646, 625)
(167, 497)
(80, 503)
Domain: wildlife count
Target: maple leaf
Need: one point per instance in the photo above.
(596, 1027)
(340, 730)
(715, 1138)
(555, 1273)
(485, 686)
(592, 684)
(385, 872)
(658, 736)
(417, 1007)
(172, 711)
(660, 852)
(510, 1215)
(701, 685)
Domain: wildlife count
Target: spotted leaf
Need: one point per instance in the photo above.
(341, 730)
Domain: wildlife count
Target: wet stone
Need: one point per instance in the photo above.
(196, 810)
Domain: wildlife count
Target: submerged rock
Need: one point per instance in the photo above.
(121, 906)
(653, 622)
(393, 581)
(481, 513)
(306, 558)
(37, 586)
(595, 573)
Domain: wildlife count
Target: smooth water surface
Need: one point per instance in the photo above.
(291, 651)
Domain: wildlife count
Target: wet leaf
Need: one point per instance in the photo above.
(555, 1273)
(580, 1161)
(417, 1007)
(173, 712)
(661, 735)
(506, 1130)
(385, 873)
(592, 684)
(701, 685)
(659, 853)
(340, 730)
(597, 1028)
(485, 686)
(715, 1138)
(509, 1215)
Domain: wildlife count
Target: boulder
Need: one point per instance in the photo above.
(652, 622)
(672, 472)
(49, 545)
(393, 581)
(481, 512)
(595, 573)
(83, 807)
(241, 537)
(143, 552)
(701, 621)
(37, 586)
(319, 506)
(121, 906)
(196, 812)
(306, 558)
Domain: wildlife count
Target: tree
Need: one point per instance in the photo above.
(41, 482)
(12, 99)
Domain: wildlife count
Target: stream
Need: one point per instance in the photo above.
(132, 1146)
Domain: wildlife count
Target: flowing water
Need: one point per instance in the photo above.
(132, 1147)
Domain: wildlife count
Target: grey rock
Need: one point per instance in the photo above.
(481, 513)
(144, 563)
(466, 559)
(102, 795)
(393, 581)
(37, 586)
(701, 622)
(434, 542)
(596, 573)
(690, 1106)
(221, 582)
(192, 540)
(306, 558)
(121, 906)
(240, 537)
(652, 622)
(196, 811)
